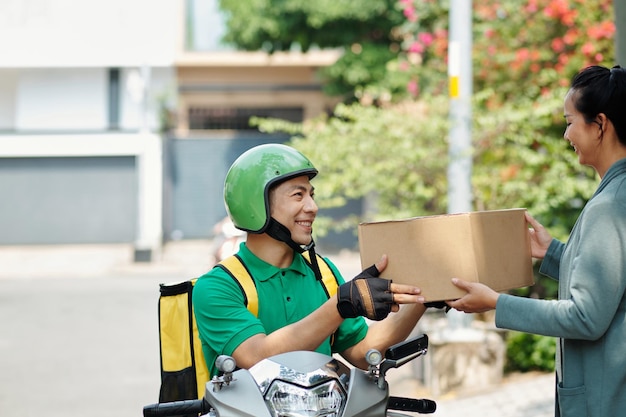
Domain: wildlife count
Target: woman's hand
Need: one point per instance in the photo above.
(479, 297)
(540, 239)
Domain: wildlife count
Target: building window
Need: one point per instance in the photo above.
(238, 118)
(205, 26)
(114, 98)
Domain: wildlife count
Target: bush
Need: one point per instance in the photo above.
(529, 352)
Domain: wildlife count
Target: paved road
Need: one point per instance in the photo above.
(78, 347)
(79, 342)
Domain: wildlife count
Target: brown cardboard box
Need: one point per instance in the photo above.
(491, 247)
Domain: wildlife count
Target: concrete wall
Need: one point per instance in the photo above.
(77, 99)
(78, 33)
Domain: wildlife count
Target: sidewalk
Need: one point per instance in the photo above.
(526, 395)
(181, 258)
(522, 395)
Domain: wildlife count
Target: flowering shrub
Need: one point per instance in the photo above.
(519, 47)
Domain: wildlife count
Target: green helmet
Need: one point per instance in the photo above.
(248, 181)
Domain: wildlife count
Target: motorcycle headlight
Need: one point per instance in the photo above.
(288, 400)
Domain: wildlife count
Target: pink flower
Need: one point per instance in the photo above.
(426, 38)
(588, 48)
(522, 54)
(604, 30)
(570, 37)
(413, 88)
(532, 6)
(416, 47)
(556, 9)
(409, 13)
(558, 45)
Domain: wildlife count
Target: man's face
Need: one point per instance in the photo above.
(292, 205)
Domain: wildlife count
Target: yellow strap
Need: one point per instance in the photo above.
(328, 278)
(237, 270)
(235, 267)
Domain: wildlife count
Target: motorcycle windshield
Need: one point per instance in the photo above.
(305, 369)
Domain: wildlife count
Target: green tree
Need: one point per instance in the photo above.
(395, 156)
(362, 28)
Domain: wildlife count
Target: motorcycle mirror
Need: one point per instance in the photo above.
(225, 363)
(373, 357)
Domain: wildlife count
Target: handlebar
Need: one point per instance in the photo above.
(400, 354)
(176, 408)
(407, 348)
(410, 404)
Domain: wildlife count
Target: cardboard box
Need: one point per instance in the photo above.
(491, 247)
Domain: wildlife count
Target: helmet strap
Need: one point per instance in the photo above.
(314, 265)
(279, 232)
(282, 234)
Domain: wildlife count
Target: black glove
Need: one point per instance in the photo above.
(437, 304)
(365, 295)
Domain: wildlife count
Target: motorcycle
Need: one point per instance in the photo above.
(226, 239)
(304, 384)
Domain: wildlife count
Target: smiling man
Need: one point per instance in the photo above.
(268, 193)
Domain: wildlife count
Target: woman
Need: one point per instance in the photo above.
(589, 317)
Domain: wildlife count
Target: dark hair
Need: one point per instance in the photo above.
(602, 90)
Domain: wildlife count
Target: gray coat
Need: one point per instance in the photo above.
(589, 318)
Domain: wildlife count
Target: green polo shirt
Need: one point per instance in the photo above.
(286, 295)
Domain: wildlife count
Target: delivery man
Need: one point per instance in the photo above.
(268, 194)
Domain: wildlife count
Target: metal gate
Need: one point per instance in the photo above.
(56, 200)
(195, 170)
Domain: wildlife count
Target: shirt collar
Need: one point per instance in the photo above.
(263, 271)
(615, 170)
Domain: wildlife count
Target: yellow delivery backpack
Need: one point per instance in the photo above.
(184, 373)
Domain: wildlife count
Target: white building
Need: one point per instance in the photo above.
(80, 153)
(84, 90)
(83, 85)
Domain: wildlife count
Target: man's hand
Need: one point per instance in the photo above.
(365, 295)
(369, 296)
